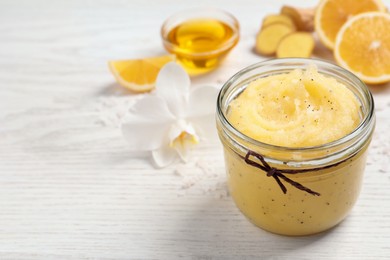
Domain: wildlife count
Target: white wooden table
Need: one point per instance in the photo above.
(71, 189)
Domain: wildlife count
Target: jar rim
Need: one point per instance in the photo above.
(364, 126)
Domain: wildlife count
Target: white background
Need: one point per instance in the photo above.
(71, 189)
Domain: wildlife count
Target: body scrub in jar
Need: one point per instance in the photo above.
(295, 134)
(200, 38)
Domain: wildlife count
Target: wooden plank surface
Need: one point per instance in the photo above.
(71, 189)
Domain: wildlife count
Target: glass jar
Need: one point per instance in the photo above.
(331, 173)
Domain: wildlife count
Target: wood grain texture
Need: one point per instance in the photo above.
(70, 187)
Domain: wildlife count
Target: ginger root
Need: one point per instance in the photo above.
(278, 18)
(296, 45)
(287, 34)
(302, 17)
(268, 38)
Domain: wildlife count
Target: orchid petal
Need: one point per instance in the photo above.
(148, 123)
(151, 108)
(183, 152)
(179, 130)
(201, 114)
(182, 137)
(205, 127)
(172, 85)
(164, 156)
(145, 136)
(202, 101)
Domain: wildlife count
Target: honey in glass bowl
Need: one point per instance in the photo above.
(200, 38)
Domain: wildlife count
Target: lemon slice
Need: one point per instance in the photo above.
(363, 47)
(332, 14)
(139, 75)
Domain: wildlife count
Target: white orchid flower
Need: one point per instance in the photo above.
(174, 119)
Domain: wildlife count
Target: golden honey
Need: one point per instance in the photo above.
(200, 43)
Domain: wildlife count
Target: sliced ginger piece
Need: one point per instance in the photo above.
(278, 18)
(303, 17)
(296, 45)
(268, 38)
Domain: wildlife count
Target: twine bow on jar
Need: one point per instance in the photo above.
(278, 174)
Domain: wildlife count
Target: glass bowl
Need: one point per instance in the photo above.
(200, 38)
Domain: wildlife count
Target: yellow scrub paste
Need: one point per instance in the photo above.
(296, 109)
(299, 109)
